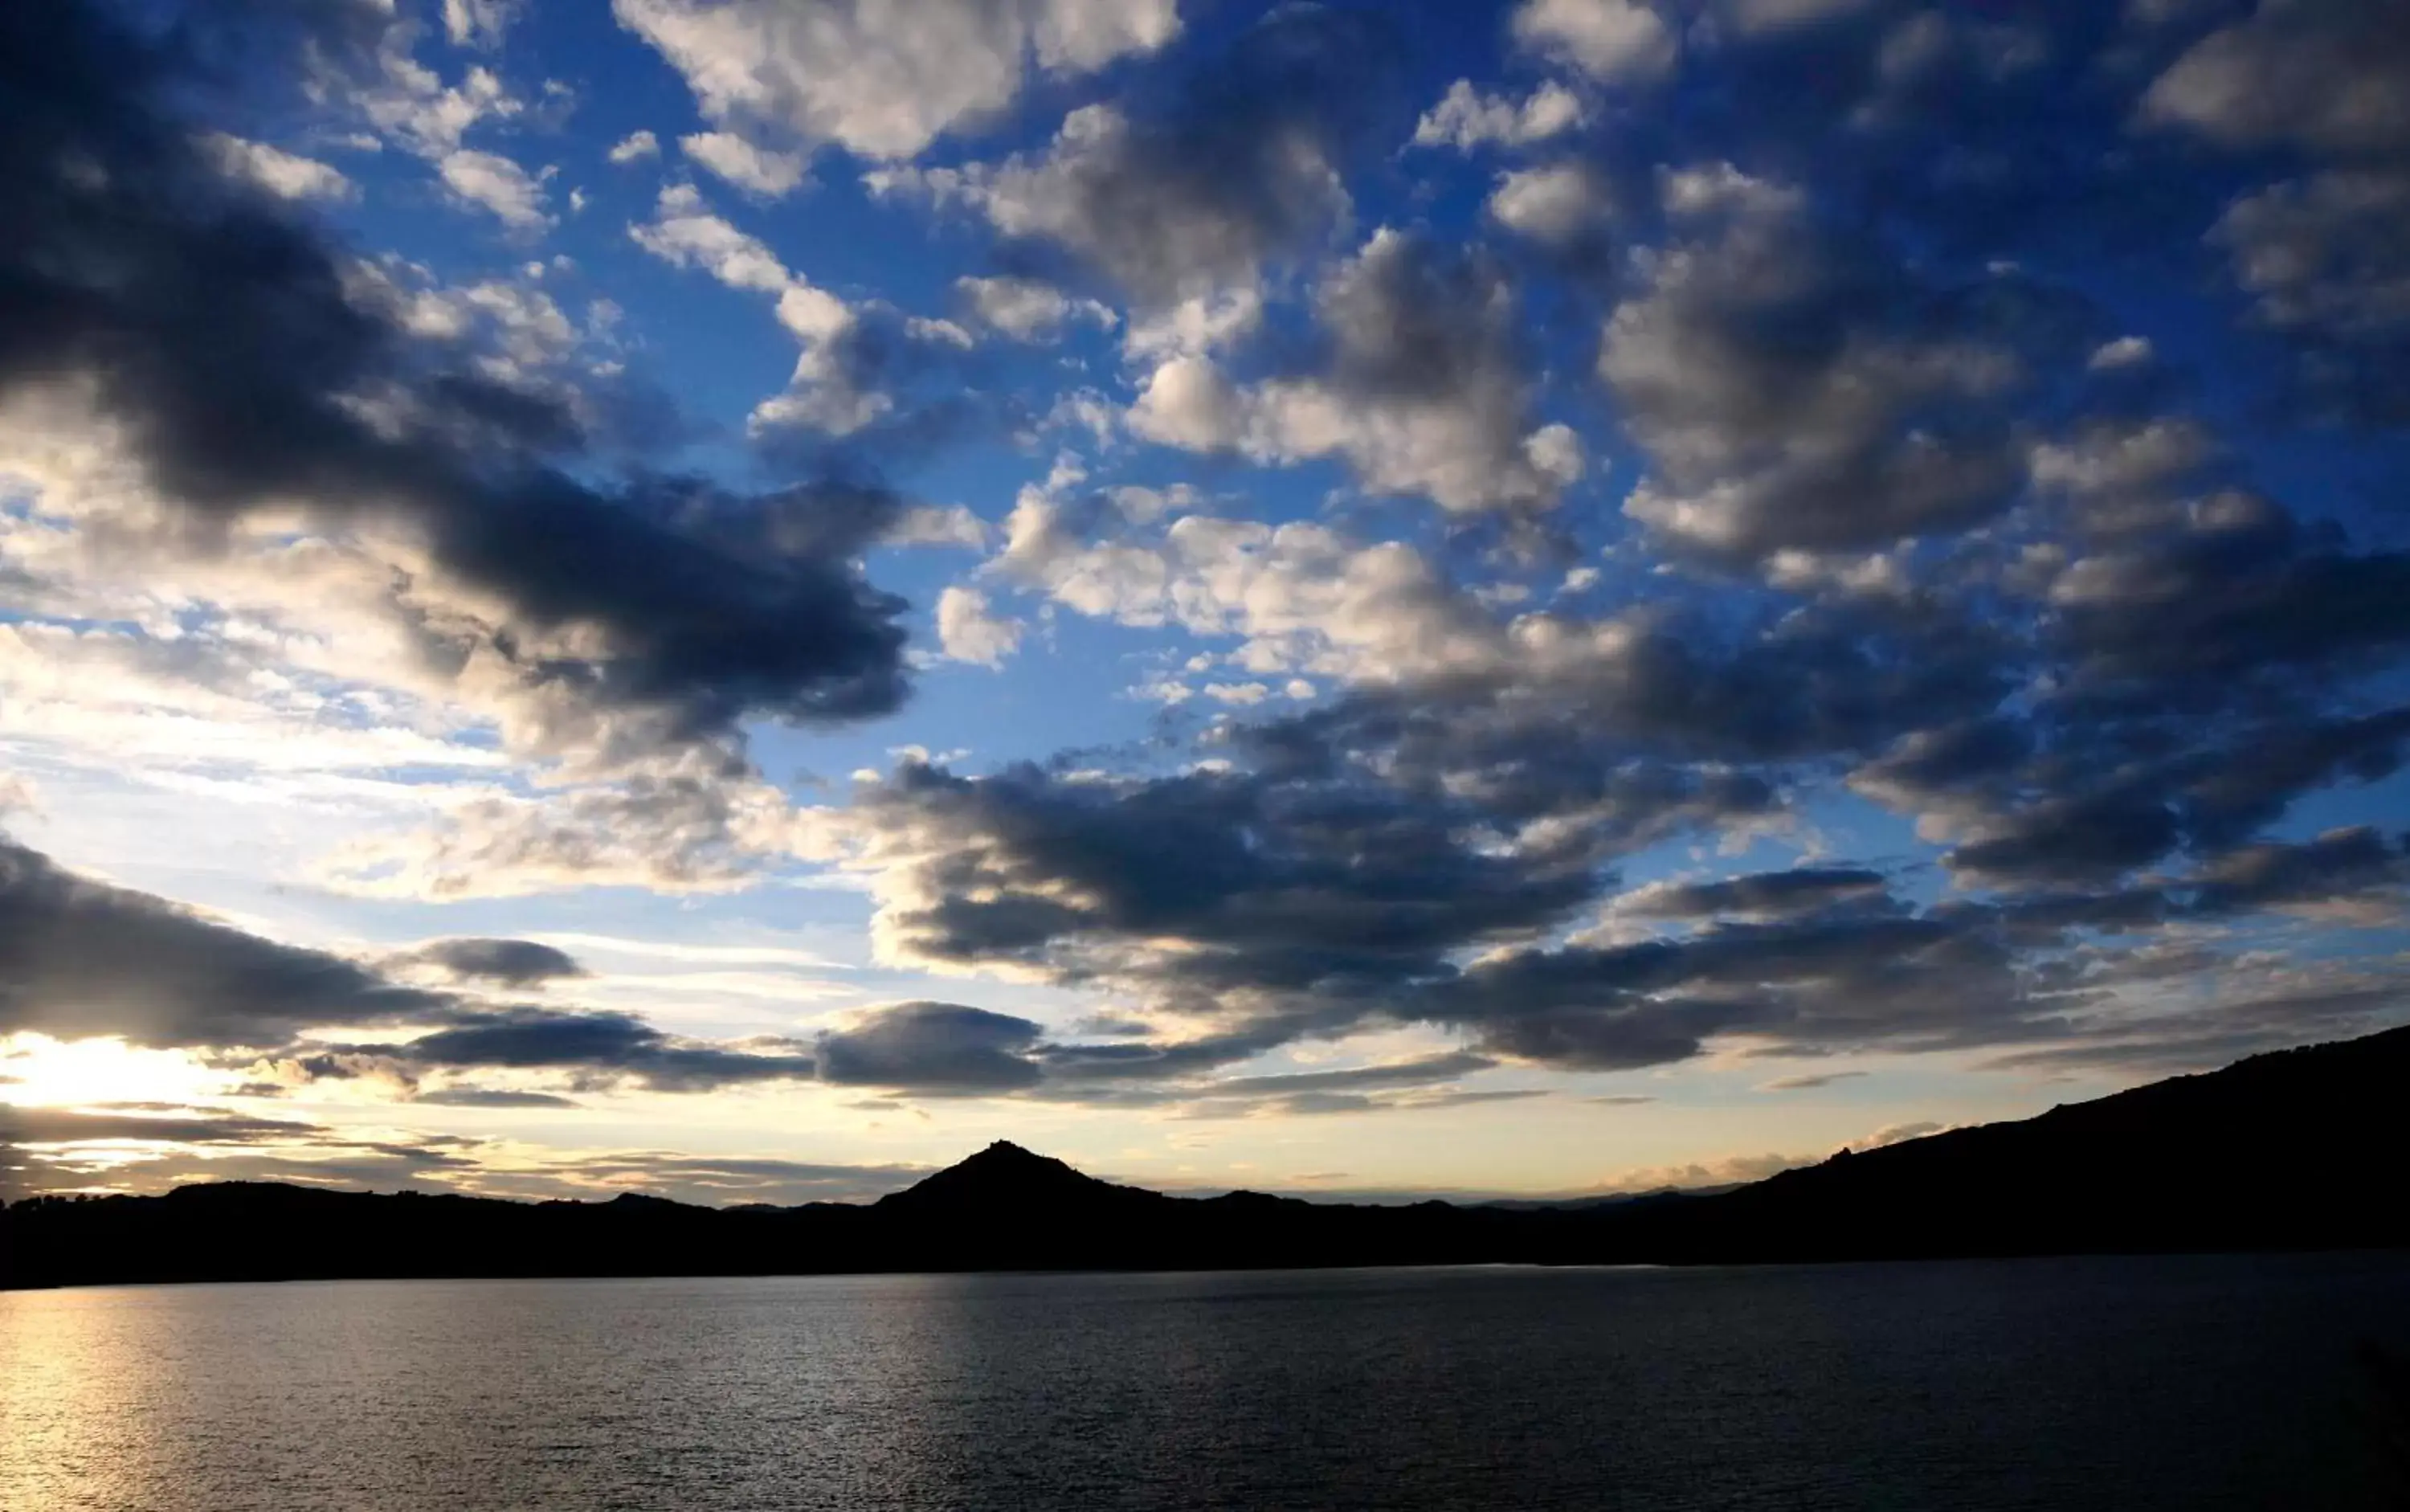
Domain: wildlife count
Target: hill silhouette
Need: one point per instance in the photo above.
(2293, 1150)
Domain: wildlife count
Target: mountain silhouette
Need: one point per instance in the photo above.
(1005, 1181)
(2293, 1150)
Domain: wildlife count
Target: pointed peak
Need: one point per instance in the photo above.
(1003, 1175)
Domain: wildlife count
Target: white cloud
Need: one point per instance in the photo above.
(2124, 352)
(1466, 118)
(1303, 598)
(884, 80)
(494, 182)
(684, 232)
(1614, 41)
(478, 23)
(1025, 309)
(1555, 206)
(1196, 325)
(286, 175)
(930, 525)
(826, 393)
(636, 146)
(410, 104)
(744, 165)
(969, 631)
(1188, 403)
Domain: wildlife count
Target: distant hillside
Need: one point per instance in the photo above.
(2295, 1149)
(2286, 1151)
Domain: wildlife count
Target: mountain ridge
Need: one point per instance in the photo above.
(2280, 1151)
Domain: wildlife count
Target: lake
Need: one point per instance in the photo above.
(2197, 1382)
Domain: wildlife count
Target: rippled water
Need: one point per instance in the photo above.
(2190, 1383)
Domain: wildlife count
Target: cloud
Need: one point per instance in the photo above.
(2321, 254)
(933, 1049)
(1795, 392)
(1558, 206)
(636, 147)
(594, 1049)
(969, 631)
(247, 390)
(491, 1098)
(285, 175)
(478, 23)
(508, 963)
(1760, 895)
(143, 1121)
(1188, 190)
(1467, 119)
(1025, 309)
(1614, 41)
(1811, 1081)
(1427, 1070)
(160, 1148)
(850, 353)
(744, 165)
(884, 81)
(495, 184)
(689, 828)
(2333, 75)
(1425, 390)
(928, 525)
(80, 958)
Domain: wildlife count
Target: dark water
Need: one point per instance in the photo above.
(2190, 1383)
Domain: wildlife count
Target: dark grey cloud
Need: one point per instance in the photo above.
(2318, 94)
(1417, 375)
(1798, 387)
(2106, 795)
(592, 1049)
(80, 958)
(2238, 589)
(509, 962)
(933, 1049)
(146, 1120)
(213, 330)
(1276, 911)
(1801, 890)
(459, 1097)
(1201, 177)
(2340, 865)
(1334, 888)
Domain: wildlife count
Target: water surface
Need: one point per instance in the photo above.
(2205, 1382)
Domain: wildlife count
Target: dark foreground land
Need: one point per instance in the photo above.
(2291, 1151)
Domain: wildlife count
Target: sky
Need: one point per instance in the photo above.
(736, 598)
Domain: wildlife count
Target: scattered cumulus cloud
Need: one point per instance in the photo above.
(770, 174)
(884, 81)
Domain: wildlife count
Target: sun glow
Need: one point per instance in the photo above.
(37, 1071)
